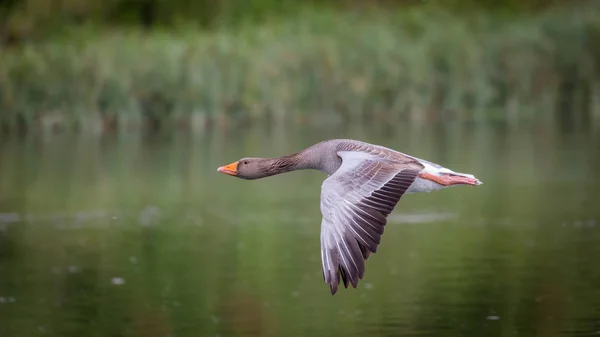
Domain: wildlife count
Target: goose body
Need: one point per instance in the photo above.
(364, 184)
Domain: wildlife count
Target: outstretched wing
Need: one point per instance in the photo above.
(355, 203)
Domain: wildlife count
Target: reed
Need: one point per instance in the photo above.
(420, 64)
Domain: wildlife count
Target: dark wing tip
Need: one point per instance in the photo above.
(346, 281)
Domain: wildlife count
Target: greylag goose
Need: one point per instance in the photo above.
(364, 184)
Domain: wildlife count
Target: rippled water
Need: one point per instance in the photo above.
(140, 236)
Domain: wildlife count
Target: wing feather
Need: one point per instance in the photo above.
(355, 203)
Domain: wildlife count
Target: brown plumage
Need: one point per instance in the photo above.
(364, 184)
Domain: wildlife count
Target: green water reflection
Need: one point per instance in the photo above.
(133, 235)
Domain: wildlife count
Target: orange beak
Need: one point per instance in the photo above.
(230, 169)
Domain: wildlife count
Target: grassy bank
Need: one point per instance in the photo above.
(414, 65)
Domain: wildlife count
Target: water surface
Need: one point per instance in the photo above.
(131, 235)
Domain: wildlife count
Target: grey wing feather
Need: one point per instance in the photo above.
(355, 203)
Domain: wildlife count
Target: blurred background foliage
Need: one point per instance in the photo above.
(124, 64)
(27, 19)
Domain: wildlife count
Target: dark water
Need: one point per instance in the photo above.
(132, 235)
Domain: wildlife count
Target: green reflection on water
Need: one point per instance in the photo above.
(139, 236)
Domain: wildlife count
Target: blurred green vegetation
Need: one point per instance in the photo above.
(126, 64)
(23, 19)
